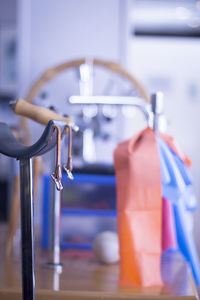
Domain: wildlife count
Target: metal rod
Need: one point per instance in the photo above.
(157, 107)
(113, 100)
(54, 257)
(27, 241)
(54, 234)
(117, 100)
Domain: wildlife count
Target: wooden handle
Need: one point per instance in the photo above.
(36, 113)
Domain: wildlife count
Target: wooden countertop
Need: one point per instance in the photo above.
(83, 277)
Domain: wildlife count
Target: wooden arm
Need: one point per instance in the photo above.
(36, 113)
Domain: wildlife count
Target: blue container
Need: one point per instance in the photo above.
(88, 207)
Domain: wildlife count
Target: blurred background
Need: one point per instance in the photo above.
(158, 41)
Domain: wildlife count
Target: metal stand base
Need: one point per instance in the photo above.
(57, 267)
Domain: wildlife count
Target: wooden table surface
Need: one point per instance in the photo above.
(83, 277)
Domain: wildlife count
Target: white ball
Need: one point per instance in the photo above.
(106, 247)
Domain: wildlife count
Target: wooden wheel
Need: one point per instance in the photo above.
(51, 73)
(35, 89)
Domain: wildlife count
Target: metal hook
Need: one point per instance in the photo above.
(56, 176)
(69, 173)
(68, 166)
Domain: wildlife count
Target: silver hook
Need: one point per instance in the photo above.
(68, 166)
(57, 178)
(69, 173)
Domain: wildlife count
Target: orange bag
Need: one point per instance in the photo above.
(139, 206)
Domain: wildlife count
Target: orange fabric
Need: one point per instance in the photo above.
(139, 205)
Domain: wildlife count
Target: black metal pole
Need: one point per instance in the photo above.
(27, 241)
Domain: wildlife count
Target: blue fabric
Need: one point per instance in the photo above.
(185, 239)
(176, 178)
(177, 187)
